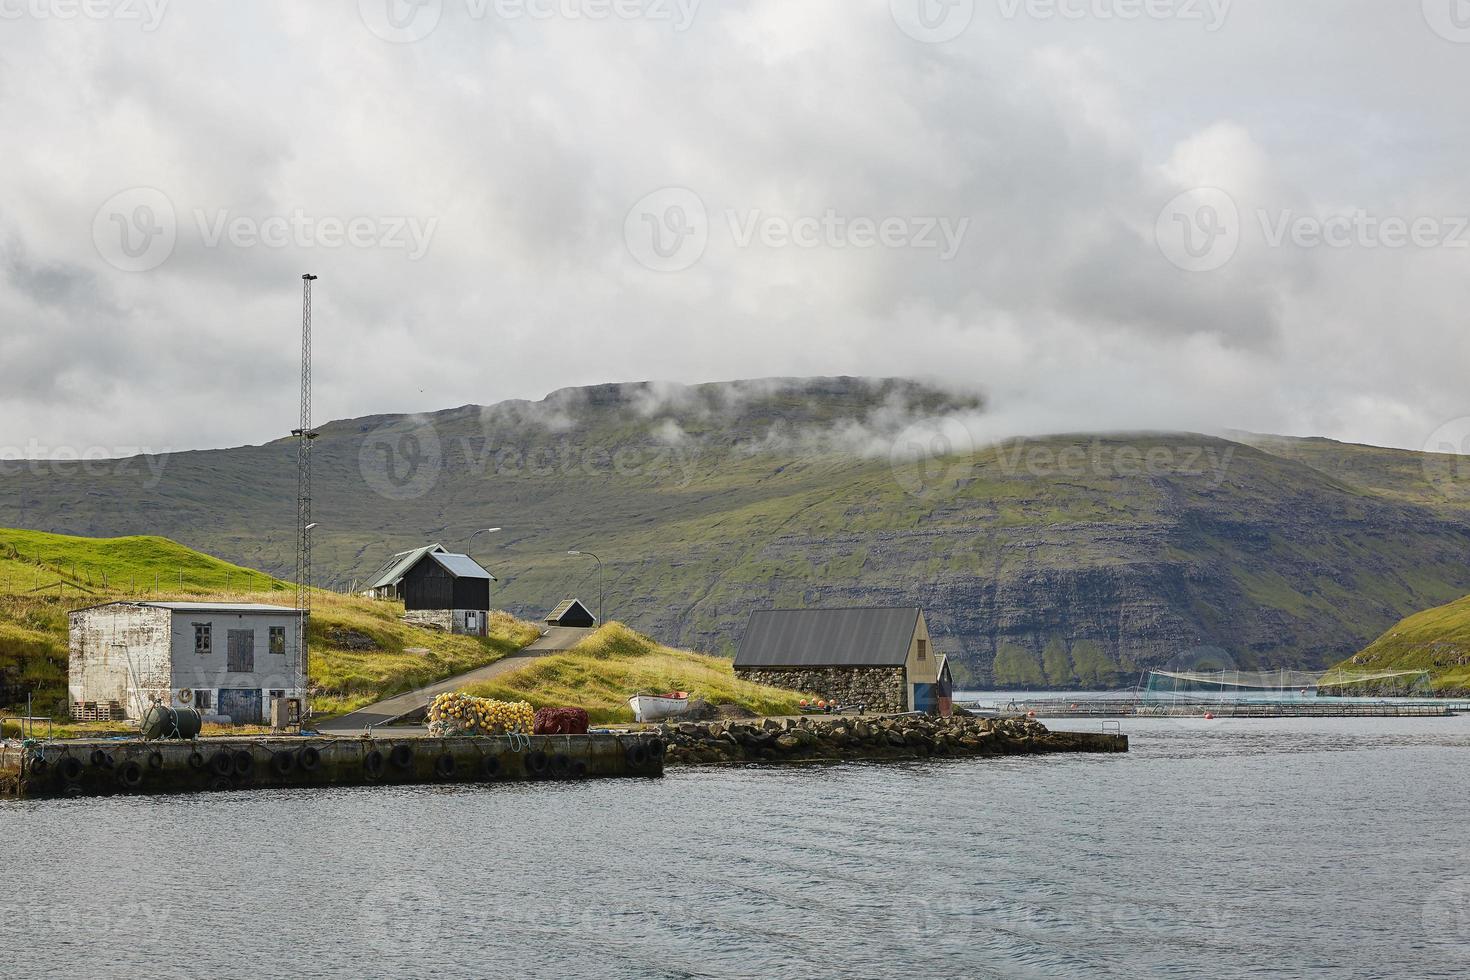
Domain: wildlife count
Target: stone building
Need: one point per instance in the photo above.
(880, 658)
(227, 659)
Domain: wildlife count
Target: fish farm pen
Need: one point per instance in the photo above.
(1213, 708)
(98, 767)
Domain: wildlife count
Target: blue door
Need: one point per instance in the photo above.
(926, 698)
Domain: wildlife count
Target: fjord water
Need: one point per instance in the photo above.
(1325, 848)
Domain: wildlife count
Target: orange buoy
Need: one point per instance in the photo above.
(1030, 714)
(804, 702)
(1209, 716)
(821, 704)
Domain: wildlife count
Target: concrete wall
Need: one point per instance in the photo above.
(882, 689)
(196, 672)
(119, 653)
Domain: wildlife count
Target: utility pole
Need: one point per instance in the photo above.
(304, 436)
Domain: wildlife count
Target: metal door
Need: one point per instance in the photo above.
(243, 706)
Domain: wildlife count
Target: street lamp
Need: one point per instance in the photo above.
(600, 580)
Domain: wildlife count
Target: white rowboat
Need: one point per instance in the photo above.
(649, 707)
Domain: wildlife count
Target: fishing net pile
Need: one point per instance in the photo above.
(561, 721)
(460, 714)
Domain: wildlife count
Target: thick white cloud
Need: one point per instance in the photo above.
(512, 148)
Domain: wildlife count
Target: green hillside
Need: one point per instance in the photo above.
(1064, 561)
(360, 649)
(1437, 640)
(602, 671)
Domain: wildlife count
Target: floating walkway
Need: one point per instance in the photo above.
(103, 767)
(1157, 708)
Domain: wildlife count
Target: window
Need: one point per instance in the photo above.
(202, 700)
(278, 694)
(240, 654)
(278, 640)
(202, 639)
(923, 649)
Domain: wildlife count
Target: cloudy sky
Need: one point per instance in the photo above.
(1177, 214)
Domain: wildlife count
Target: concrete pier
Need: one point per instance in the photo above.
(108, 766)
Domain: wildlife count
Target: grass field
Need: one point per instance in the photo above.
(361, 651)
(1437, 640)
(601, 672)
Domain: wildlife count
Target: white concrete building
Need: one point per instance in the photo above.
(221, 658)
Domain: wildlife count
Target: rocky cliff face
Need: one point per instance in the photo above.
(1068, 561)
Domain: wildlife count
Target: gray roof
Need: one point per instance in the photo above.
(238, 608)
(461, 566)
(828, 637)
(396, 567)
(566, 607)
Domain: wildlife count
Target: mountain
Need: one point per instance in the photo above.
(1068, 560)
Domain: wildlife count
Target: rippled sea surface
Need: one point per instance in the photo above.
(1320, 848)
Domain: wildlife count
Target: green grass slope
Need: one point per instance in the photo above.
(1436, 640)
(361, 651)
(604, 670)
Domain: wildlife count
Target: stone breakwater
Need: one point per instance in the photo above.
(888, 737)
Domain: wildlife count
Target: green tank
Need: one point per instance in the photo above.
(161, 721)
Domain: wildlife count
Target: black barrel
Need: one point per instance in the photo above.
(161, 721)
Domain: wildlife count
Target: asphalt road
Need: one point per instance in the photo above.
(556, 640)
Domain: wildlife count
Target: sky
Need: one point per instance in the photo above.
(1105, 214)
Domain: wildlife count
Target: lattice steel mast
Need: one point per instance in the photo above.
(304, 435)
